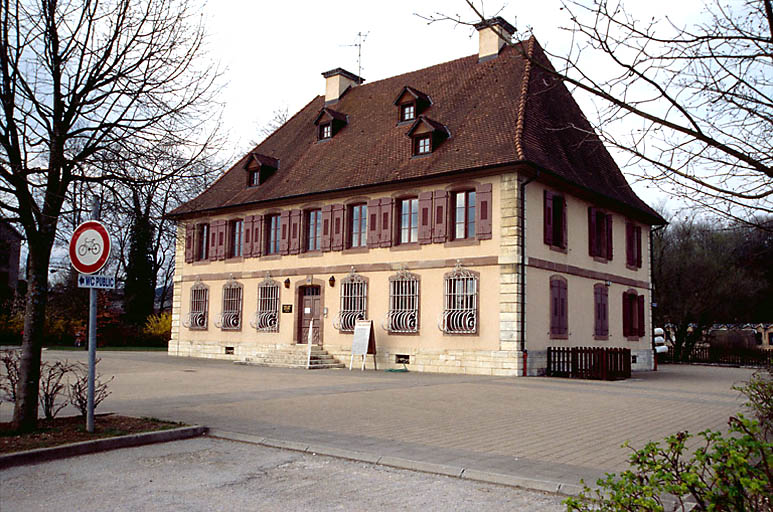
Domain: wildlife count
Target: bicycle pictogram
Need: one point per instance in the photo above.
(89, 245)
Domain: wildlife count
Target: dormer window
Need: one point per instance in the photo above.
(410, 104)
(426, 135)
(259, 168)
(329, 122)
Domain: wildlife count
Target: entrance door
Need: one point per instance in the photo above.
(310, 310)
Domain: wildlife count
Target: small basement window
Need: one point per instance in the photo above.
(229, 351)
(402, 359)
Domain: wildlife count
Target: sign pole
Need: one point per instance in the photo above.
(95, 214)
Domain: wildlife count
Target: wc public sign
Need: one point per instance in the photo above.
(89, 247)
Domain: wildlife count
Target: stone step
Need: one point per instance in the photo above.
(294, 356)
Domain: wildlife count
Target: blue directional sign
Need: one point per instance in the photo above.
(96, 281)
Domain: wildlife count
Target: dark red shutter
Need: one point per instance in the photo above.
(626, 314)
(386, 231)
(629, 244)
(190, 231)
(327, 227)
(425, 218)
(609, 237)
(604, 311)
(483, 211)
(592, 231)
(257, 236)
(564, 236)
(221, 239)
(295, 231)
(637, 239)
(547, 218)
(564, 308)
(338, 227)
(640, 314)
(555, 308)
(374, 225)
(440, 205)
(247, 236)
(597, 310)
(284, 240)
(213, 229)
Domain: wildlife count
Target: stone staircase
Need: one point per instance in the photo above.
(293, 356)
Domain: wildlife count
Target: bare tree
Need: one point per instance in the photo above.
(691, 105)
(85, 87)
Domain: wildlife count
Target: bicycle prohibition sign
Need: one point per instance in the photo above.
(89, 247)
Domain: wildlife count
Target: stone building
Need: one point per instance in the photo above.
(468, 209)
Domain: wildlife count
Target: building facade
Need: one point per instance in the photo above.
(466, 208)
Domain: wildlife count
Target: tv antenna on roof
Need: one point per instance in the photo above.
(360, 41)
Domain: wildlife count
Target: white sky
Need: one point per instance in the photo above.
(273, 53)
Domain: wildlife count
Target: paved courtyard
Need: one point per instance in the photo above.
(546, 429)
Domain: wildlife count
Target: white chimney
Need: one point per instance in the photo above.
(337, 81)
(493, 34)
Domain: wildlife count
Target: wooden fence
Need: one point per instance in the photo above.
(722, 356)
(589, 363)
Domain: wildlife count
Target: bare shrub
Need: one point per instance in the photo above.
(52, 383)
(10, 377)
(79, 389)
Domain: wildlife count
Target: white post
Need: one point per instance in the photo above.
(95, 214)
(311, 336)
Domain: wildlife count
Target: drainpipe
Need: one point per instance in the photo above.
(522, 270)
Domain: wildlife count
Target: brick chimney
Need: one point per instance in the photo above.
(492, 35)
(337, 81)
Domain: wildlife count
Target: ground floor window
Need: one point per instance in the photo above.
(267, 316)
(633, 314)
(460, 302)
(354, 299)
(197, 316)
(231, 317)
(403, 315)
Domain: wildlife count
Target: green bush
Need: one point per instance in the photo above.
(11, 327)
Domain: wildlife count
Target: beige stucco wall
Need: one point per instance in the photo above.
(580, 297)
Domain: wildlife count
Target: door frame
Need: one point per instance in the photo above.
(298, 285)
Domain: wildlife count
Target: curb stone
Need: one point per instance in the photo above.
(98, 445)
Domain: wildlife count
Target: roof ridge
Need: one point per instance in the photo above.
(522, 100)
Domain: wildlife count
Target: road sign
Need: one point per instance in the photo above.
(96, 281)
(89, 247)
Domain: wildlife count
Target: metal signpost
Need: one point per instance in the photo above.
(89, 250)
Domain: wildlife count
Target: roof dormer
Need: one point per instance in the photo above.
(426, 135)
(411, 103)
(259, 168)
(329, 122)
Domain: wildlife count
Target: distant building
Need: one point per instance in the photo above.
(10, 248)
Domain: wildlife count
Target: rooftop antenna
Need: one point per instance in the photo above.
(360, 41)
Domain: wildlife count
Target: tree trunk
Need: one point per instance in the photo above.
(25, 413)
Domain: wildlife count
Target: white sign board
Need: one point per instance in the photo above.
(363, 342)
(96, 281)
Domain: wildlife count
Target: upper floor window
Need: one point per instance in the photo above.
(235, 245)
(267, 316)
(409, 220)
(633, 245)
(254, 178)
(202, 242)
(460, 302)
(231, 316)
(464, 214)
(554, 219)
(314, 233)
(422, 145)
(601, 310)
(599, 234)
(407, 112)
(325, 131)
(403, 315)
(358, 232)
(197, 315)
(272, 234)
(559, 314)
(633, 314)
(354, 301)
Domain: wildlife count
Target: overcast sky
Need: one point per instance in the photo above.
(273, 53)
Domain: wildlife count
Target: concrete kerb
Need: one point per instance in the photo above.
(99, 445)
(400, 463)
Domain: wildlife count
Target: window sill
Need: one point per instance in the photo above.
(560, 249)
(456, 334)
(355, 250)
(632, 338)
(599, 259)
(231, 330)
(197, 328)
(200, 262)
(635, 268)
(411, 246)
(270, 257)
(423, 155)
(407, 122)
(235, 259)
(319, 141)
(559, 336)
(391, 333)
(310, 254)
(600, 338)
(462, 242)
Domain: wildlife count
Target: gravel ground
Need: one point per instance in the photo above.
(213, 474)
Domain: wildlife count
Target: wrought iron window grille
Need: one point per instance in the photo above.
(354, 301)
(266, 318)
(403, 314)
(460, 302)
(199, 307)
(231, 317)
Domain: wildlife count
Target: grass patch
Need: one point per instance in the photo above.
(108, 349)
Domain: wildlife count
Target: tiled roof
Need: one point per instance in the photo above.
(477, 102)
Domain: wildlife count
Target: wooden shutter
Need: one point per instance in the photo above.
(555, 297)
(609, 237)
(547, 218)
(257, 236)
(247, 236)
(338, 227)
(284, 240)
(295, 231)
(597, 310)
(221, 239)
(592, 231)
(440, 206)
(626, 314)
(483, 211)
(213, 229)
(425, 218)
(190, 231)
(629, 244)
(386, 213)
(564, 231)
(327, 227)
(374, 231)
(637, 239)
(604, 311)
(564, 308)
(640, 315)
